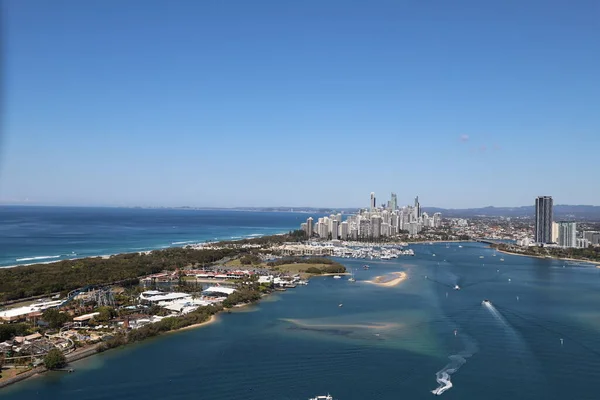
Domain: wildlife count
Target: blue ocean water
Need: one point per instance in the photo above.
(383, 343)
(42, 234)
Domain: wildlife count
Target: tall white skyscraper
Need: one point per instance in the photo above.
(567, 234)
(437, 219)
(554, 237)
(344, 230)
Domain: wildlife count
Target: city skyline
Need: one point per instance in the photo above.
(373, 222)
(233, 105)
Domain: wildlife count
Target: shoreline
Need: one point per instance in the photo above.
(401, 276)
(92, 350)
(594, 263)
(179, 245)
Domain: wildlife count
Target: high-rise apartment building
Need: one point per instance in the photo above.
(344, 230)
(543, 219)
(394, 202)
(309, 227)
(417, 208)
(373, 202)
(554, 232)
(437, 220)
(376, 222)
(593, 237)
(334, 229)
(567, 234)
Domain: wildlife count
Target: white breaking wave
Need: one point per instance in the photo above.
(189, 241)
(37, 258)
(255, 235)
(443, 376)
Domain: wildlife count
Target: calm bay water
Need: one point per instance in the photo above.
(42, 234)
(384, 343)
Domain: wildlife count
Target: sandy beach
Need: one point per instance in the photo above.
(211, 320)
(384, 281)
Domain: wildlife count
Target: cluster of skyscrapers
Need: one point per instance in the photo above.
(562, 233)
(373, 222)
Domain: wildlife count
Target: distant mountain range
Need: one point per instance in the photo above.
(561, 212)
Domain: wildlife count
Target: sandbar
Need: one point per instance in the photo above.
(387, 282)
(300, 323)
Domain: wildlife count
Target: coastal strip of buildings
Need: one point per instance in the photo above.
(373, 222)
(550, 233)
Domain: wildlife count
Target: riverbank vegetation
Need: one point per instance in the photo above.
(55, 359)
(585, 254)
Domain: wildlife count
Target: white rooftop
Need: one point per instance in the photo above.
(163, 296)
(219, 289)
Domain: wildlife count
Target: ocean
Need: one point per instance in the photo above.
(537, 337)
(44, 234)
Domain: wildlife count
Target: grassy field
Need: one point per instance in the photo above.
(298, 268)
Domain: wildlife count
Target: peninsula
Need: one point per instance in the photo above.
(60, 312)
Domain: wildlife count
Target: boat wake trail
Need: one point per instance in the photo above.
(443, 376)
(495, 313)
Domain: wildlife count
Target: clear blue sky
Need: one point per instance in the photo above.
(300, 103)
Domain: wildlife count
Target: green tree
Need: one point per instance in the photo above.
(106, 314)
(55, 359)
(55, 318)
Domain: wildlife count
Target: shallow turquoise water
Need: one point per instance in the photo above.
(384, 343)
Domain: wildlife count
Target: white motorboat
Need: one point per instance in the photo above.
(456, 287)
(337, 277)
(328, 397)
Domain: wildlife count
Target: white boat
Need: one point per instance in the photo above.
(337, 277)
(456, 287)
(460, 247)
(328, 397)
(351, 279)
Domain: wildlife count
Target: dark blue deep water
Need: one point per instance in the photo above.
(42, 234)
(384, 343)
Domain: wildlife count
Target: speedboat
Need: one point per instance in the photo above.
(328, 397)
(456, 287)
(337, 277)
(485, 301)
(365, 267)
